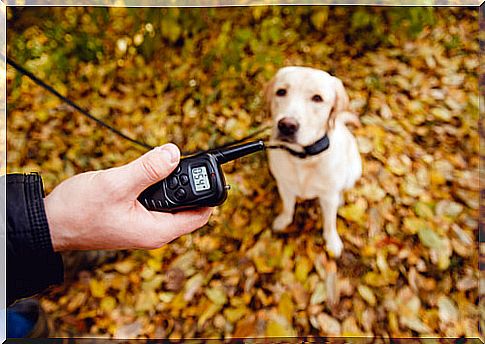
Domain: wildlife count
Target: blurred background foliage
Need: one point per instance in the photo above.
(191, 59)
(195, 76)
(89, 34)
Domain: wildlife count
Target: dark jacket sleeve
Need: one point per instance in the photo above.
(32, 264)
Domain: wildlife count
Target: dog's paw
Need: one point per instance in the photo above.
(281, 222)
(334, 245)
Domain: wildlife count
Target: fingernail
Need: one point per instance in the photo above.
(173, 151)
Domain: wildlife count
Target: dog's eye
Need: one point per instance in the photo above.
(281, 92)
(317, 98)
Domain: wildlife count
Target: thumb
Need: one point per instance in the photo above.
(150, 168)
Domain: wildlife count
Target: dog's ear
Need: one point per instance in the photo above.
(267, 96)
(341, 101)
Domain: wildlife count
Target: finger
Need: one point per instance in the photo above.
(193, 219)
(180, 223)
(148, 169)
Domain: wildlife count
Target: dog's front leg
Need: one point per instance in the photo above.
(329, 204)
(288, 199)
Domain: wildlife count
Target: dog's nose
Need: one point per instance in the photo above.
(288, 125)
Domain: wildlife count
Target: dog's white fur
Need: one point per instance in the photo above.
(324, 176)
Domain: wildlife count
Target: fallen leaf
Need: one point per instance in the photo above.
(328, 325)
(367, 294)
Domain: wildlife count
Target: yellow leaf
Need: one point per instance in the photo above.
(155, 264)
(286, 307)
(303, 267)
(437, 178)
(379, 280)
(393, 322)
(108, 303)
(125, 266)
(217, 295)
(208, 313)
(158, 252)
(354, 212)
(98, 289)
(319, 294)
(367, 294)
(319, 18)
(279, 327)
(234, 314)
(146, 301)
(412, 224)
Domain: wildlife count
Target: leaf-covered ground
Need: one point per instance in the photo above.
(195, 77)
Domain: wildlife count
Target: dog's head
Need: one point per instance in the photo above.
(304, 103)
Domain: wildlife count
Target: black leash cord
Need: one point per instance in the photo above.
(74, 105)
(84, 112)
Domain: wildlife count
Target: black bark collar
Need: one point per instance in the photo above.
(316, 148)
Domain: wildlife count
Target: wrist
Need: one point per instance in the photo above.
(57, 239)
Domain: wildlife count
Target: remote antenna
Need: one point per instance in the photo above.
(227, 154)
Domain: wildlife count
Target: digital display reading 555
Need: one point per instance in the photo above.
(201, 180)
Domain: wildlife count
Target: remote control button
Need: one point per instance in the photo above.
(184, 179)
(178, 169)
(173, 182)
(180, 194)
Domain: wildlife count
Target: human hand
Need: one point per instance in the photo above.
(99, 210)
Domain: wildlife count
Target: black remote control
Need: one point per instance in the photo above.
(198, 180)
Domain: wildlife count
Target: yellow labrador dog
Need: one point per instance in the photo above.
(318, 155)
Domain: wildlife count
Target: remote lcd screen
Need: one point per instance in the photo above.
(201, 180)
